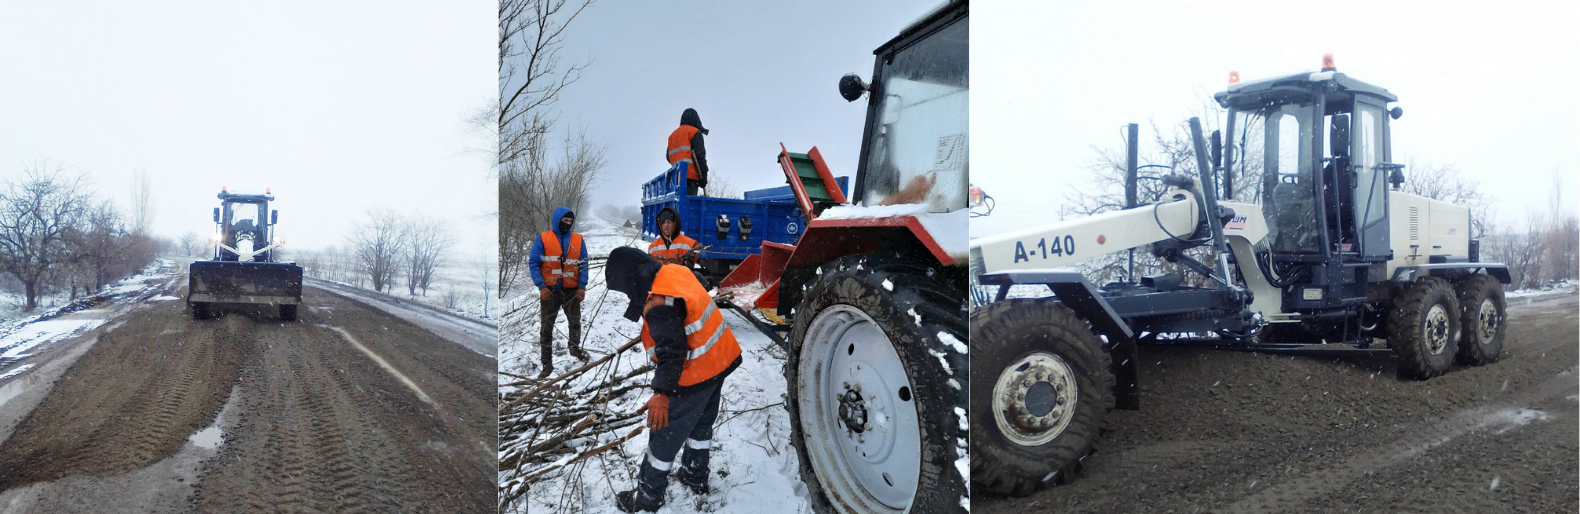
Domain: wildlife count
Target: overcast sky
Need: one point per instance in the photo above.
(759, 74)
(337, 106)
(1493, 89)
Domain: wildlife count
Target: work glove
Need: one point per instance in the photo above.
(657, 412)
(545, 294)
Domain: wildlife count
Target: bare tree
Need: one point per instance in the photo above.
(530, 189)
(143, 208)
(427, 240)
(36, 212)
(187, 243)
(531, 72)
(377, 245)
(486, 271)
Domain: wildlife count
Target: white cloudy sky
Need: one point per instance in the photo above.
(758, 73)
(1491, 88)
(337, 106)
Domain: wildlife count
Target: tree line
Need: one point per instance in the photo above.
(57, 235)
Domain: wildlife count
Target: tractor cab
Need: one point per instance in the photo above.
(918, 113)
(1324, 173)
(245, 224)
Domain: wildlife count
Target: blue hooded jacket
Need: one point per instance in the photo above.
(535, 262)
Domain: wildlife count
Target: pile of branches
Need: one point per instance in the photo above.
(550, 427)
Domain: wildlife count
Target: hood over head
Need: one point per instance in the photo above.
(559, 213)
(631, 271)
(690, 117)
(668, 213)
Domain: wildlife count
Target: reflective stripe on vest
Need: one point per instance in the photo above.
(673, 251)
(561, 270)
(711, 344)
(680, 150)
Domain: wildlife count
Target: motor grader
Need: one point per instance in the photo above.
(1334, 254)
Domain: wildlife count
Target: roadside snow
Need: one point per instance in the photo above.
(17, 344)
(163, 298)
(15, 371)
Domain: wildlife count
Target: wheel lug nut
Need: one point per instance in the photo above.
(856, 388)
(867, 427)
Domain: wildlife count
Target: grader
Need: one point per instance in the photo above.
(1331, 255)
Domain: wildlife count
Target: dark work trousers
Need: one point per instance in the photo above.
(691, 188)
(691, 420)
(548, 312)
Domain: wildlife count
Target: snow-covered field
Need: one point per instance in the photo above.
(21, 336)
(754, 468)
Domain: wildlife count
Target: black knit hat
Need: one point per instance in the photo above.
(631, 271)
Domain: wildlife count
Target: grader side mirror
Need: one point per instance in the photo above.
(1395, 112)
(1217, 150)
(274, 216)
(1339, 136)
(216, 214)
(851, 87)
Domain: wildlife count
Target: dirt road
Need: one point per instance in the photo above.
(348, 410)
(1238, 432)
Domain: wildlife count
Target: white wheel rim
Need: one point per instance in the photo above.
(1034, 399)
(847, 361)
(1489, 320)
(1436, 329)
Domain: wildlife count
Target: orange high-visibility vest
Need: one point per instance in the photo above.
(672, 252)
(561, 269)
(712, 344)
(680, 150)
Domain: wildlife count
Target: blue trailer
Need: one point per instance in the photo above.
(727, 229)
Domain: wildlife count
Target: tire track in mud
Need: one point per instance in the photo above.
(340, 433)
(1232, 432)
(128, 402)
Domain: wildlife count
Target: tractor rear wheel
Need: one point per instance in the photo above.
(288, 312)
(1481, 322)
(1040, 389)
(875, 376)
(1423, 328)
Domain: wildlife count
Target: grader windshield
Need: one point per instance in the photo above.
(918, 119)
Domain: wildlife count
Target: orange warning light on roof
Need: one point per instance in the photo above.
(268, 191)
(1234, 77)
(223, 190)
(1327, 63)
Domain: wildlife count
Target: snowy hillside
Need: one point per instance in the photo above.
(754, 468)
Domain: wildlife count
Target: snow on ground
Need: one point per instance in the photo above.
(21, 335)
(1566, 286)
(754, 468)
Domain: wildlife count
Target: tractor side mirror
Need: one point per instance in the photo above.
(1217, 150)
(851, 87)
(274, 216)
(1395, 112)
(1339, 136)
(216, 214)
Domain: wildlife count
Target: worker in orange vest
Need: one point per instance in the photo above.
(692, 351)
(558, 266)
(685, 146)
(672, 246)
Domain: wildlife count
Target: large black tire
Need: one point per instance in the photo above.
(912, 307)
(202, 310)
(288, 312)
(1481, 328)
(1002, 335)
(1423, 328)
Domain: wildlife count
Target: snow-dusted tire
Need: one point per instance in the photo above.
(894, 326)
(202, 310)
(1481, 321)
(288, 312)
(1423, 328)
(1022, 440)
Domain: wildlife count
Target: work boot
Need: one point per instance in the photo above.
(578, 353)
(628, 502)
(696, 485)
(547, 370)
